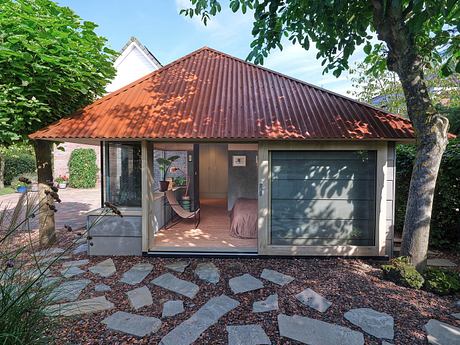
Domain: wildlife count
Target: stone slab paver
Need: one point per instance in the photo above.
(268, 304)
(208, 272)
(82, 248)
(85, 306)
(380, 325)
(276, 277)
(69, 290)
(102, 288)
(75, 263)
(48, 281)
(313, 300)
(133, 324)
(190, 330)
(170, 282)
(172, 308)
(81, 240)
(104, 268)
(440, 333)
(247, 335)
(457, 304)
(456, 315)
(71, 271)
(136, 274)
(440, 263)
(311, 331)
(178, 266)
(245, 283)
(34, 273)
(47, 260)
(50, 251)
(140, 297)
(386, 343)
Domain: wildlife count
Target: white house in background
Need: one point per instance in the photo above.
(134, 62)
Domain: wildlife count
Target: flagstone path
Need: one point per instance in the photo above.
(305, 330)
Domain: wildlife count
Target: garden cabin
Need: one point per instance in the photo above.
(212, 154)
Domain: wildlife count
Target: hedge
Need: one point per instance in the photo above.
(18, 160)
(445, 220)
(82, 168)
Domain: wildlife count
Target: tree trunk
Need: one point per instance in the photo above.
(431, 133)
(430, 128)
(44, 157)
(420, 200)
(2, 170)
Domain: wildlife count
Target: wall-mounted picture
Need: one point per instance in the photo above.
(239, 161)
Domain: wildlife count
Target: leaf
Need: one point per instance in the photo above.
(367, 48)
(234, 5)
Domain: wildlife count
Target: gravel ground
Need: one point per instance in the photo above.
(348, 283)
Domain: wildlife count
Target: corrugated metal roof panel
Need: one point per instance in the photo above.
(210, 95)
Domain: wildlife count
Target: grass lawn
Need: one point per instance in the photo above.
(7, 190)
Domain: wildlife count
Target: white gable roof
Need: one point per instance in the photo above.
(134, 62)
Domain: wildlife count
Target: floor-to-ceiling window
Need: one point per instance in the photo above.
(123, 174)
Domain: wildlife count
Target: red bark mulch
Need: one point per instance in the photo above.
(347, 283)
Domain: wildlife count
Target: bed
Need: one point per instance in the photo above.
(243, 218)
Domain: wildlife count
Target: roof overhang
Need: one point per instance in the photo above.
(211, 96)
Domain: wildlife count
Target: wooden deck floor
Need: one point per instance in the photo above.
(213, 232)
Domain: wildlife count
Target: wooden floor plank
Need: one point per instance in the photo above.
(212, 232)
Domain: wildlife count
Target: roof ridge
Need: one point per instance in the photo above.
(304, 82)
(142, 79)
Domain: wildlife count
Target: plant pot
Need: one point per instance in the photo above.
(21, 189)
(62, 185)
(164, 186)
(186, 204)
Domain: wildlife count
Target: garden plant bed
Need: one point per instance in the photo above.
(347, 283)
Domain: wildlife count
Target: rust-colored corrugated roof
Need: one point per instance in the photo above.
(211, 95)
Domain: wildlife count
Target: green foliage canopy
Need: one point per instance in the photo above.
(51, 64)
(338, 27)
(384, 88)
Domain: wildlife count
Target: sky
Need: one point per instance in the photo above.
(169, 36)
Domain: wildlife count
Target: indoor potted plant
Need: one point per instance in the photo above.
(62, 181)
(165, 164)
(183, 181)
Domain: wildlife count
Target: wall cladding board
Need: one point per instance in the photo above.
(390, 197)
(116, 236)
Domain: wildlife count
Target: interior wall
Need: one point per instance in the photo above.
(242, 181)
(213, 172)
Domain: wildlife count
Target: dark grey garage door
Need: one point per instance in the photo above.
(323, 197)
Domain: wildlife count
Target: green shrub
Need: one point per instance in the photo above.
(442, 282)
(18, 160)
(82, 168)
(401, 272)
(446, 216)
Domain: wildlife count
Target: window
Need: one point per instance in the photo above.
(123, 174)
(323, 197)
(180, 166)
